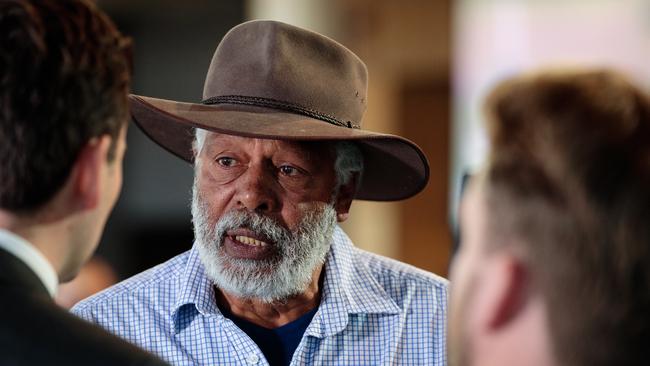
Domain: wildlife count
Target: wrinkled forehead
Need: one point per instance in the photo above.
(320, 150)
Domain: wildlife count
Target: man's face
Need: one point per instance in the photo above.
(263, 213)
(463, 275)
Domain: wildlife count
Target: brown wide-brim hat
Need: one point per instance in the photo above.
(272, 80)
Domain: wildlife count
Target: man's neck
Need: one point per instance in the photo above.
(48, 238)
(526, 341)
(273, 314)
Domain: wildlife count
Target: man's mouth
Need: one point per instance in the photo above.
(250, 241)
(246, 244)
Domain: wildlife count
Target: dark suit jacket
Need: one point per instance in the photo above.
(35, 331)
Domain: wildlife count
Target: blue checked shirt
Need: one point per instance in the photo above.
(373, 311)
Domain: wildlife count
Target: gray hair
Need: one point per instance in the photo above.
(349, 159)
(199, 140)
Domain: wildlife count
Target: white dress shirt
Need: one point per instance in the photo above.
(32, 257)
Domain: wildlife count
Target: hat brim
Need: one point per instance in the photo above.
(394, 167)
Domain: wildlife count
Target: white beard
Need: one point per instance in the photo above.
(286, 273)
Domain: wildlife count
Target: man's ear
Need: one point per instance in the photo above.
(87, 172)
(345, 196)
(506, 293)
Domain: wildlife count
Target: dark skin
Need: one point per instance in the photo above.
(283, 180)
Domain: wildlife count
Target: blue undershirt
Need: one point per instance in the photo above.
(279, 344)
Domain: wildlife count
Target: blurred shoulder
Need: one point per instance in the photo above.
(400, 279)
(156, 282)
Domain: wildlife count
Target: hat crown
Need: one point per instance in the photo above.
(277, 65)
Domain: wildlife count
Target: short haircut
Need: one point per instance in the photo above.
(568, 180)
(65, 76)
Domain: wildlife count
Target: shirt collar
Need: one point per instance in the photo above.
(348, 288)
(32, 257)
(196, 290)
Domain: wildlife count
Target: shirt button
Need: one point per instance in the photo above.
(253, 359)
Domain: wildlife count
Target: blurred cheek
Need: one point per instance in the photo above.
(117, 185)
(460, 276)
(457, 269)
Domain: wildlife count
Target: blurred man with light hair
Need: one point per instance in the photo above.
(554, 268)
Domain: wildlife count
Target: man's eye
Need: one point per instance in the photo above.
(289, 170)
(226, 161)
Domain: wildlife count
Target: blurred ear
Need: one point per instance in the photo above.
(87, 172)
(345, 196)
(505, 295)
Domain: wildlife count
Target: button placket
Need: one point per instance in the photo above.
(253, 359)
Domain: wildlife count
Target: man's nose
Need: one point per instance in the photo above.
(256, 191)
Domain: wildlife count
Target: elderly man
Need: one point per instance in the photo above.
(65, 75)
(555, 264)
(279, 156)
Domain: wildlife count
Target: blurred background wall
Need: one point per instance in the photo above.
(494, 39)
(426, 59)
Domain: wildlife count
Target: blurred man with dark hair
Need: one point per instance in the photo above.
(555, 263)
(64, 79)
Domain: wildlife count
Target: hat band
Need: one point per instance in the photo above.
(278, 104)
